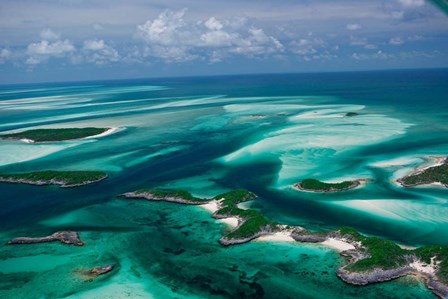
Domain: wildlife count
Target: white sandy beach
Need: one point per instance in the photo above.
(338, 244)
(108, 132)
(423, 267)
(213, 206)
(277, 237)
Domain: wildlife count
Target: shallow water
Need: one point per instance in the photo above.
(210, 135)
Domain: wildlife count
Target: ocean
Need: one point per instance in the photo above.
(209, 135)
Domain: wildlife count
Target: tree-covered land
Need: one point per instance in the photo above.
(435, 174)
(49, 135)
(51, 177)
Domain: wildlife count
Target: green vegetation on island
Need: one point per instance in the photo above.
(318, 186)
(383, 254)
(435, 174)
(350, 114)
(51, 177)
(252, 222)
(49, 135)
(372, 259)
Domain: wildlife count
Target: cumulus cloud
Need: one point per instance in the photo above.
(98, 52)
(57, 48)
(48, 34)
(171, 38)
(353, 26)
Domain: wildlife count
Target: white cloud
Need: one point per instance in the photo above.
(57, 48)
(396, 41)
(52, 46)
(213, 24)
(172, 39)
(353, 26)
(94, 45)
(98, 52)
(412, 3)
(5, 54)
(48, 34)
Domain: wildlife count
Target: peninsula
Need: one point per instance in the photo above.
(437, 174)
(65, 237)
(251, 224)
(369, 259)
(52, 135)
(313, 185)
(64, 179)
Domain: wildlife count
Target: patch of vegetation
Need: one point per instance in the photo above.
(436, 174)
(318, 186)
(171, 193)
(350, 114)
(252, 221)
(385, 254)
(47, 135)
(64, 178)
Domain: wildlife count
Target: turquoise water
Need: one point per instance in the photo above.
(210, 135)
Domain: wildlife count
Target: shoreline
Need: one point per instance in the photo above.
(213, 206)
(110, 131)
(432, 161)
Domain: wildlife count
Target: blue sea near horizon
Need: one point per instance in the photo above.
(209, 135)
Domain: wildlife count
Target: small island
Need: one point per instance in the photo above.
(351, 114)
(369, 259)
(65, 237)
(437, 174)
(313, 185)
(178, 196)
(64, 179)
(93, 273)
(52, 135)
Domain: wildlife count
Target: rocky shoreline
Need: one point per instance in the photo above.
(152, 197)
(61, 184)
(65, 237)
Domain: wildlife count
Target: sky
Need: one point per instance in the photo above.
(75, 40)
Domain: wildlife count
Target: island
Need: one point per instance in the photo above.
(65, 237)
(93, 273)
(313, 185)
(351, 114)
(52, 135)
(251, 224)
(431, 175)
(64, 179)
(368, 259)
(178, 196)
